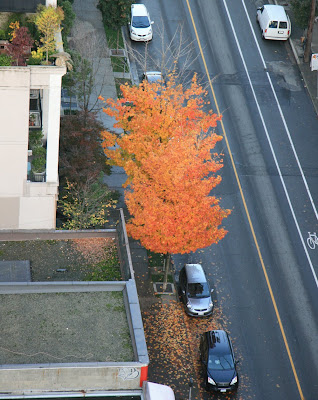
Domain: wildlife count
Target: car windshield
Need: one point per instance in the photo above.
(140, 22)
(198, 290)
(220, 361)
(154, 78)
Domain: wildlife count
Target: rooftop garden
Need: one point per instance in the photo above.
(29, 39)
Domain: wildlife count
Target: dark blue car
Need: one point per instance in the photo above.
(218, 361)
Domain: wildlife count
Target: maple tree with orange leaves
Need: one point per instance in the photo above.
(166, 152)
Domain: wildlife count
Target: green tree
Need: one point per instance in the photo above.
(115, 13)
(305, 11)
(48, 20)
(301, 10)
(86, 205)
(69, 17)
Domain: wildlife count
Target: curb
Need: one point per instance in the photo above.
(299, 63)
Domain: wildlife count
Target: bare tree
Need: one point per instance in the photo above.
(177, 54)
(89, 53)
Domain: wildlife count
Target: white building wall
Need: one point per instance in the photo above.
(21, 206)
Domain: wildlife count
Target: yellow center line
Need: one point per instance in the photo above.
(246, 210)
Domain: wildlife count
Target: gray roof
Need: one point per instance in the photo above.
(20, 6)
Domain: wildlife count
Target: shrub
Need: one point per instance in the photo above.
(3, 35)
(35, 138)
(5, 60)
(15, 17)
(36, 57)
(34, 32)
(38, 159)
(86, 205)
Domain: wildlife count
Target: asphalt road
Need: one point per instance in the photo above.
(264, 273)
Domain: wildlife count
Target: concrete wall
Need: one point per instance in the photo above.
(56, 378)
(22, 205)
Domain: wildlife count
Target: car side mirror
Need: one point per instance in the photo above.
(152, 22)
(212, 290)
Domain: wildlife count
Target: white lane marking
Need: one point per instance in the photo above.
(282, 115)
(269, 141)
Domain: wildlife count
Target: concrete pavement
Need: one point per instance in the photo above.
(310, 77)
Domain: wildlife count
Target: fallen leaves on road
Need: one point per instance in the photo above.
(173, 341)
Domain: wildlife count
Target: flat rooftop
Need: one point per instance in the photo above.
(69, 324)
(63, 259)
(62, 327)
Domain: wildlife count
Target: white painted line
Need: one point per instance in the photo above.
(282, 116)
(267, 135)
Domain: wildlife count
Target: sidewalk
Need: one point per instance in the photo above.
(164, 321)
(310, 77)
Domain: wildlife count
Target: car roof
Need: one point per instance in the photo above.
(139, 9)
(152, 73)
(195, 273)
(154, 76)
(218, 338)
(276, 12)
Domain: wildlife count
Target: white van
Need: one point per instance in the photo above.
(155, 391)
(274, 22)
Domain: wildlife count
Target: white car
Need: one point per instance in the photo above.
(140, 29)
(153, 77)
(274, 22)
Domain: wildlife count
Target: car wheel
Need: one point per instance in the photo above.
(180, 294)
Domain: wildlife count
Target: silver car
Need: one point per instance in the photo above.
(195, 291)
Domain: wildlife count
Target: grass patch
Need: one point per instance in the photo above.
(106, 270)
(111, 37)
(119, 64)
(159, 278)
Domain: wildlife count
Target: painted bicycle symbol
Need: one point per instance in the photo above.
(312, 240)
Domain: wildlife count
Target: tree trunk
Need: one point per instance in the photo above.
(167, 269)
(311, 21)
(117, 41)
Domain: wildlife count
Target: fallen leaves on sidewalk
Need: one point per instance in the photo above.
(173, 341)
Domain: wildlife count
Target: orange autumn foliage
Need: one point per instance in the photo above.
(166, 153)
